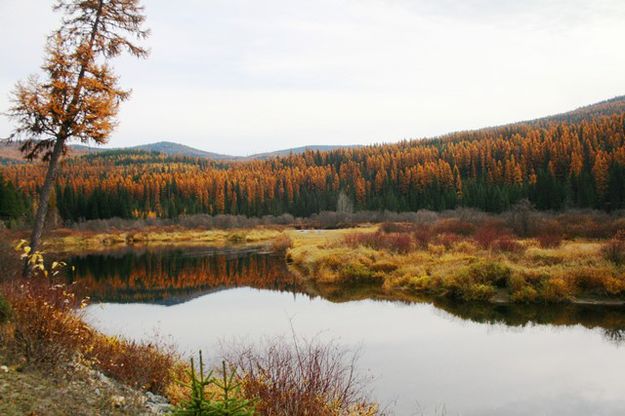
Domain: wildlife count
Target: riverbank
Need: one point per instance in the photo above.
(71, 389)
(65, 240)
(447, 259)
(55, 363)
(398, 264)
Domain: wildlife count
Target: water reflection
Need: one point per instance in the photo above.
(176, 275)
(476, 359)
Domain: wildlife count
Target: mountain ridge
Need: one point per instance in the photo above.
(10, 152)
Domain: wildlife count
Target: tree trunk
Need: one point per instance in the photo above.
(44, 201)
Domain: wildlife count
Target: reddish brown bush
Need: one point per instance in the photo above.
(361, 239)
(396, 227)
(46, 329)
(398, 242)
(549, 240)
(490, 232)
(45, 322)
(146, 366)
(550, 234)
(454, 226)
(301, 378)
(447, 239)
(507, 244)
(282, 244)
(614, 250)
(423, 235)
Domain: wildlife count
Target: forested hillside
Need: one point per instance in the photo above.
(575, 159)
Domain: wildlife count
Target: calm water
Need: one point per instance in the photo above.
(471, 360)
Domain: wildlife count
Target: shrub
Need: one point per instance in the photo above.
(47, 328)
(598, 281)
(356, 272)
(487, 234)
(146, 366)
(397, 242)
(423, 235)
(526, 294)
(282, 244)
(237, 238)
(396, 227)
(507, 244)
(555, 289)
(301, 378)
(448, 240)
(436, 249)
(9, 261)
(478, 292)
(614, 250)
(384, 266)
(550, 235)
(5, 310)
(488, 272)
(454, 226)
(549, 240)
(521, 217)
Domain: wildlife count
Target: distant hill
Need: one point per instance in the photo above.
(165, 147)
(176, 149)
(296, 151)
(9, 152)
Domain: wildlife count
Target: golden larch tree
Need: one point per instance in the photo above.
(78, 97)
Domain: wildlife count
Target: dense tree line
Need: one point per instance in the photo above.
(13, 203)
(556, 163)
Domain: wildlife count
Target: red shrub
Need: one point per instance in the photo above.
(47, 329)
(145, 366)
(423, 235)
(396, 227)
(550, 234)
(507, 244)
(282, 244)
(398, 242)
(489, 232)
(301, 378)
(454, 226)
(549, 240)
(447, 239)
(614, 250)
(361, 239)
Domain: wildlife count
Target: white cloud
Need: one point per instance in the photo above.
(242, 76)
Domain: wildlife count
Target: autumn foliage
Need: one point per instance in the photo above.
(575, 162)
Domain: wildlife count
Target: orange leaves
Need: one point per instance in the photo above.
(600, 172)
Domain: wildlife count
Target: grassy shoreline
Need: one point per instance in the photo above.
(450, 263)
(573, 271)
(66, 240)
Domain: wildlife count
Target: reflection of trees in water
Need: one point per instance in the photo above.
(173, 276)
(617, 336)
(609, 318)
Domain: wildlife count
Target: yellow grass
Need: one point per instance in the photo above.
(68, 241)
(576, 270)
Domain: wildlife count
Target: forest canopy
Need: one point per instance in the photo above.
(574, 160)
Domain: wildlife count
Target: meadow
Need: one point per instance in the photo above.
(470, 256)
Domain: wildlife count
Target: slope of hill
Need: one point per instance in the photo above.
(297, 151)
(575, 160)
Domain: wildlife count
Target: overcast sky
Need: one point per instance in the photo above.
(247, 76)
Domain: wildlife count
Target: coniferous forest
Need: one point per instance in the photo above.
(573, 160)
